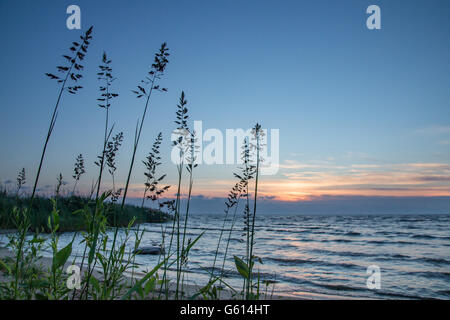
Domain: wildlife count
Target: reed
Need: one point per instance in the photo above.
(181, 143)
(231, 201)
(257, 145)
(154, 75)
(106, 95)
(98, 215)
(70, 74)
(21, 180)
(78, 171)
(239, 190)
(59, 183)
(191, 165)
(112, 149)
(252, 160)
(152, 191)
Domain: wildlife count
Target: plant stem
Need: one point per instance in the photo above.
(49, 133)
(254, 211)
(136, 142)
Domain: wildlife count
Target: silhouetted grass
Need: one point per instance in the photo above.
(71, 73)
(95, 215)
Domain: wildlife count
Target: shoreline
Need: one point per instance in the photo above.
(189, 289)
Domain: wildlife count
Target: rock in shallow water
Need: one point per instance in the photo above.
(149, 250)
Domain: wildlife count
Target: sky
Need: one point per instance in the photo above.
(362, 114)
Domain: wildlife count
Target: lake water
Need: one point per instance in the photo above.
(326, 254)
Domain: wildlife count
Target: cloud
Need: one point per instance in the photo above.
(423, 165)
(303, 181)
(316, 164)
(293, 164)
(365, 166)
(435, 178)
(398, 179)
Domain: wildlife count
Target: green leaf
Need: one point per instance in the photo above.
(78, 211)
(150, 285)
(102, 260)
(241, 267)
(60, 258)
(93, 246)
(138, 284)
(37, 240)
(193, 242)
(4, 266)
(95, 283)
(140, 292)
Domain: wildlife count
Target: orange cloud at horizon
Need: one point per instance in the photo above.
(298, 182)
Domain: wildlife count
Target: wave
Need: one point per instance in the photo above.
(344, 253)
(384, 242)
(295, 262)
(340, 287)
(398, 295)
(435, 260)
(429, 237)
(330, 255)
(431, 274)
(445, 292)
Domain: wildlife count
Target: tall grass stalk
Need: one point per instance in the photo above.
(105, 75)
(235, 196)
(23, 225)
(106, 79)
(78, 171)
(152, 191)
(229, 204)
(182, 143)
(247, 175)
(21, 179)
(111, 151)
(233, 221)
(155, 73)
(191, 159)
(184, 147)
(257, 135)
(93, 227)
(79, 51)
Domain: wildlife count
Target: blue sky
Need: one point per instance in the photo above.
(360, 112)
